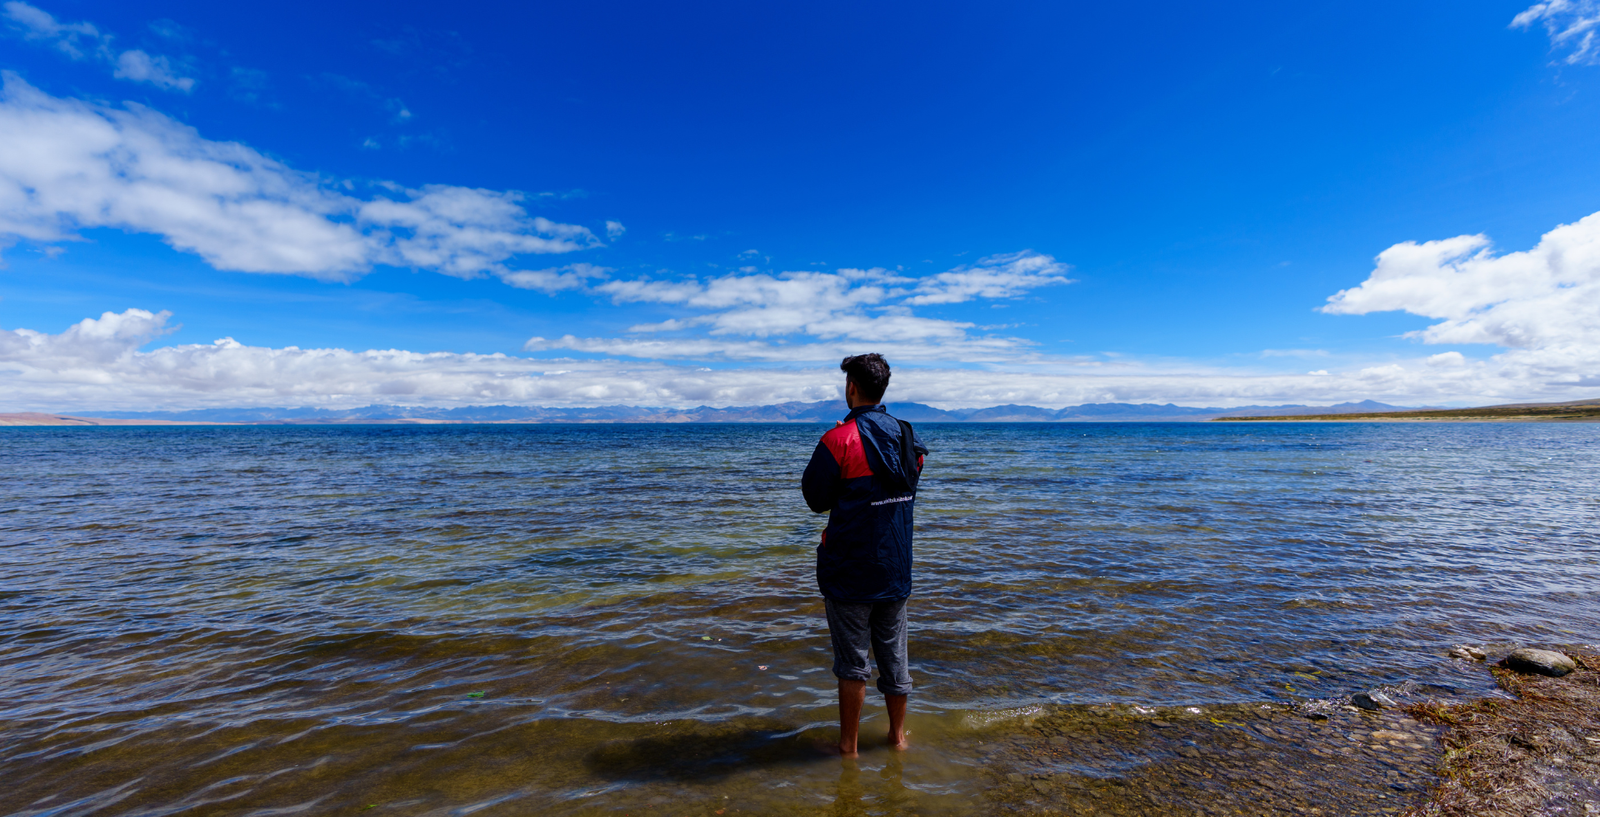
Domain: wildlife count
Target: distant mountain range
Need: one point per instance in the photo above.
(818, 412)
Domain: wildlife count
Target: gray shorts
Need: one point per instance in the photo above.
(881, 624)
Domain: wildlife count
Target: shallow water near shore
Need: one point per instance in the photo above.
(623, 619)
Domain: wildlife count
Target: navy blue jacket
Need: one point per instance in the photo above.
(856, 475)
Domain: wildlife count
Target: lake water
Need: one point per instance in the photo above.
(623, 619)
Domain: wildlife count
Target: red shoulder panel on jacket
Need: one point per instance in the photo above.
(844, 442)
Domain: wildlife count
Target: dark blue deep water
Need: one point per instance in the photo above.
(527, 619)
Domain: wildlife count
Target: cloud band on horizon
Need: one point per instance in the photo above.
(98, 364)
(1538, 304)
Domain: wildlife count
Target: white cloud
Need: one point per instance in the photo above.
(80, 40)
(668, 325)
(1539, 299)
(141, 67)
(1541, 304)
(70, 165)
(828, 306)
(110, 337)
(614, 230)
(999, 276)
(867, 306)
(70, 38)
(767, 305)
(808, 315)
(556, 279)
(1571, 24)
(463, 231)
(968, 350)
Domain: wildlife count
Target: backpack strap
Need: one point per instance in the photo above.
(908, 454)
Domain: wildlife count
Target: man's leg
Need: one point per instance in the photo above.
(852, 695)
(849, 628)
(894, 673)
(897, 720)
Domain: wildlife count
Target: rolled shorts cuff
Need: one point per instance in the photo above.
(853, 628)
(850, 673)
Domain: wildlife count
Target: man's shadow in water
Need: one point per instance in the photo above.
(703, 755)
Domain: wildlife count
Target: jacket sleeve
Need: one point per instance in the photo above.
(820, 483)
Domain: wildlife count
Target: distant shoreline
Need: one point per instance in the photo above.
(1402, 419)
(35, 418)
(1582, 411)
(68, 421)
(40, 419)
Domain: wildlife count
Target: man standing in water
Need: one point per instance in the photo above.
(864, 473)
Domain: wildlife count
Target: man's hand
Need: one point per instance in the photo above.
(837, 423)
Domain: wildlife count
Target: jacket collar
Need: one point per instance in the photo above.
(860, 410)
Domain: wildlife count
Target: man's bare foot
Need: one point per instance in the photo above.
(901, 744)
(833, 749)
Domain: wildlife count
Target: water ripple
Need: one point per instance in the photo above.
(299, 619)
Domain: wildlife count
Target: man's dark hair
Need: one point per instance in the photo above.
(870, 373)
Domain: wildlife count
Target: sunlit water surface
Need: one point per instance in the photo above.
(623, 619)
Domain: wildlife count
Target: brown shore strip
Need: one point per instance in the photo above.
(1579, 411)
(36, 418)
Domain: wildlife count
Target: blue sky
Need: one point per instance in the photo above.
(648, 204)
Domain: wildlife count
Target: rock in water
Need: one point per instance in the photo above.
(1467, 653)
(1371, 701)
(1540, 662)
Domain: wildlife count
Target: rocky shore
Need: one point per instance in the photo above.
(1409, 750)
(1535, 754)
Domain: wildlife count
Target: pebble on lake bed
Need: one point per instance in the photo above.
(1318, 709)
(1539, 662)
